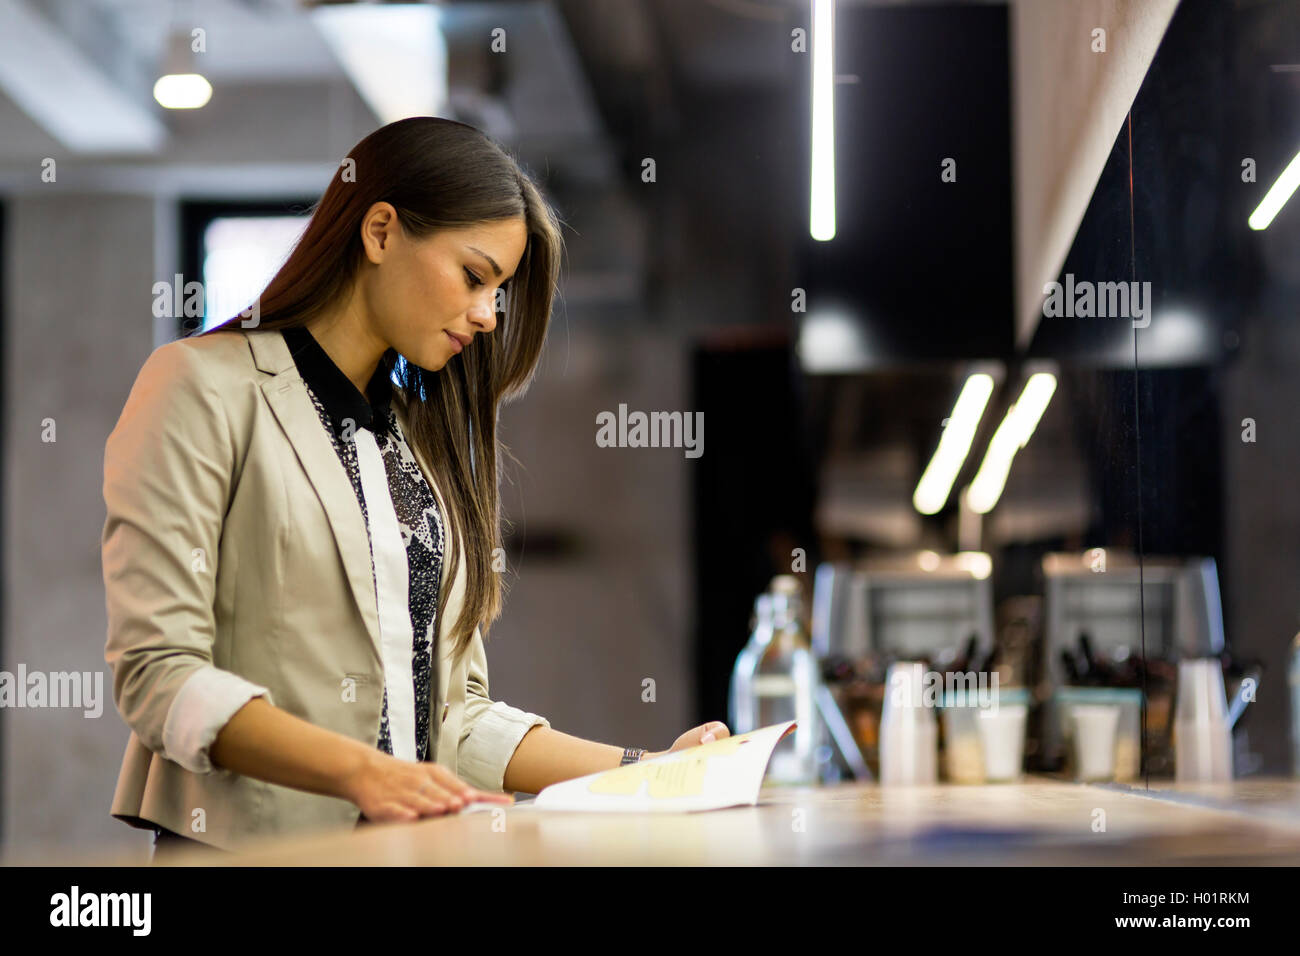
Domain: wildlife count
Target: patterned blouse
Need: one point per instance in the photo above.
(343, 413)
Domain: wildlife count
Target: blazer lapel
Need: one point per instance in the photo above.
(288, 398)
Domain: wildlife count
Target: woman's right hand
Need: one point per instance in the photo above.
(388, 789)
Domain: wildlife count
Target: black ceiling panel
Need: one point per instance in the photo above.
(924, 264)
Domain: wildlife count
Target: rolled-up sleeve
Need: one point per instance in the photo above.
(492, 729)
(168, 467)
(205, 703)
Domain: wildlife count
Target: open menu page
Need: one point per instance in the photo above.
(723, 773)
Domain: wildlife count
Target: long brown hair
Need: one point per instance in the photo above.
(438, 173)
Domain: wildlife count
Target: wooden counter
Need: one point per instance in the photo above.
(1039, 821)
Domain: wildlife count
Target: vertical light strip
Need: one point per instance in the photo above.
(821, 218)
(1277, 196)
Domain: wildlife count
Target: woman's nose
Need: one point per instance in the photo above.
(483, 315)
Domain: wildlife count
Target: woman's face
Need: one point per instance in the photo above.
(423, 294)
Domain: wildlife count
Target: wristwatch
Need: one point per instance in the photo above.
(631, 755)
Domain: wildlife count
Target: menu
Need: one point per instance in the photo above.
(722, 773)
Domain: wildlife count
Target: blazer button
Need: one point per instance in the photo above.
(445, 708)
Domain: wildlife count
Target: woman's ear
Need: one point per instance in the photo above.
(378, 230)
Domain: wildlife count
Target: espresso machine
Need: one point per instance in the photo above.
(917, 605)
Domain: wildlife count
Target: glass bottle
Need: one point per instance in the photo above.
(742, 717)
(785, 684)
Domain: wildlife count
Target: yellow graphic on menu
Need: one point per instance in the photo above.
(668, 779)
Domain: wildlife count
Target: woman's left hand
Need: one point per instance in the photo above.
(703, 734)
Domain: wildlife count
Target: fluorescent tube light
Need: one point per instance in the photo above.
(821, 222)
(954, 444)
(1012, 434)
(1277, 196)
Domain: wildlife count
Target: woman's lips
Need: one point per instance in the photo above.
(455, 342)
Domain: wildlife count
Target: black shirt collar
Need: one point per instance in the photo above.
(336, 391)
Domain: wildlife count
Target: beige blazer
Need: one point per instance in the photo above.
(234, 539)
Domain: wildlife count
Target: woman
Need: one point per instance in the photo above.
(291, 536)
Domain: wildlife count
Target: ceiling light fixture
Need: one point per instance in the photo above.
(181, 86)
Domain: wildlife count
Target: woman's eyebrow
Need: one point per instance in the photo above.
(495, 268)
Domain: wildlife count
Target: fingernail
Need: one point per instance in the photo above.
(707, 737)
